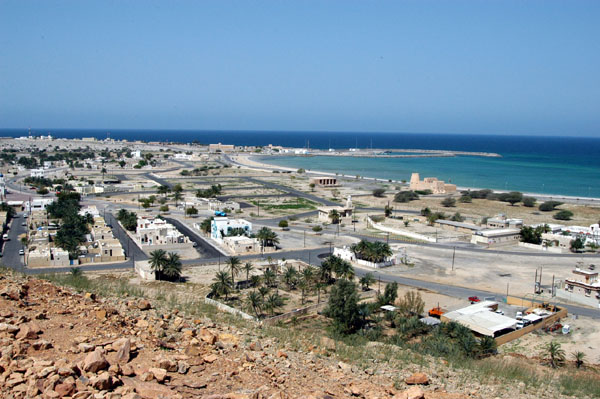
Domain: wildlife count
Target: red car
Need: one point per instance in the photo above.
(474, 299)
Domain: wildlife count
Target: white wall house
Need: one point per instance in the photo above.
(222, 226)
(151, 231)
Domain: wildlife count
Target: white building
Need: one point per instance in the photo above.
(223, 226)
(137, 154)
(38, 204)
(2, 187)
(151, 231)
(186, 157)
(502, 222)
(36, 172)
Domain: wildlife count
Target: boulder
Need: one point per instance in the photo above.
(144, 304)
(168, 365)
(207, 336)
(417, 379)
(411, 393)
(124, 351)
(159, 374)
(65, 389)
(102, 382)
(95, 361)
(26, 332)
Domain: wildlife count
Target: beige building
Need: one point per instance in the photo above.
(242, 244)
(324, 181)
(345, 212)
(221, 147)
(496, 237)
(44, 255)
(502, 222)
(102, 246)
(430, 183)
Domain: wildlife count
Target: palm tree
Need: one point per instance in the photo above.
(234, 264)
(366, 281)
(273, 302)
(343, 269)
(122, 214)
(158, 258)
(177, 196)
(334, 215)
(555, 353)
(255, 302)
(578, 356)
(206, 225)
(269, 277)
(263, 291)
(267, 237)
(248, 268)
(255, 280)
(306, 281)
(222, 284)
(172, 266)
(326, 270)
(163, 190)
(103, 172)
(289, 276)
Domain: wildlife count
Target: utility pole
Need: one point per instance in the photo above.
(507, 291)
(304, 238)
(552, 293)
(258, 204)
(536, 282)
(453, 256)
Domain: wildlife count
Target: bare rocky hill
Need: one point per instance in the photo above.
(56, 343)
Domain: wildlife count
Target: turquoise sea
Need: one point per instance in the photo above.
(515, 172)
(564, 165)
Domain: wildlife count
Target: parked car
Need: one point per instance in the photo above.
(5, 237)
(474, 299)
(21, 251)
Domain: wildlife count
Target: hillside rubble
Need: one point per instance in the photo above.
(57, 343)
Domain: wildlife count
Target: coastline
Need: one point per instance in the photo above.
(250, 161)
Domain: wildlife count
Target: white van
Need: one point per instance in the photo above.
(5, 237)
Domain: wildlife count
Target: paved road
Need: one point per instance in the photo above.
(10, 248)
(205, 250)
(130, 247)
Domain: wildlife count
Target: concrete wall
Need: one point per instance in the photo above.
(229, 309)
(526, 330)
(400, 232)
(554, 250)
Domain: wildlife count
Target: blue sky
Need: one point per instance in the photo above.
(489, 67)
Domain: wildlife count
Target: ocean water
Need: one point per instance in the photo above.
(547, 165)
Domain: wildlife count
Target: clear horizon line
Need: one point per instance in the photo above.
(297, 131)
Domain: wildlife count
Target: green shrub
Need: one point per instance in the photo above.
(563, 215)
(405, 196)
